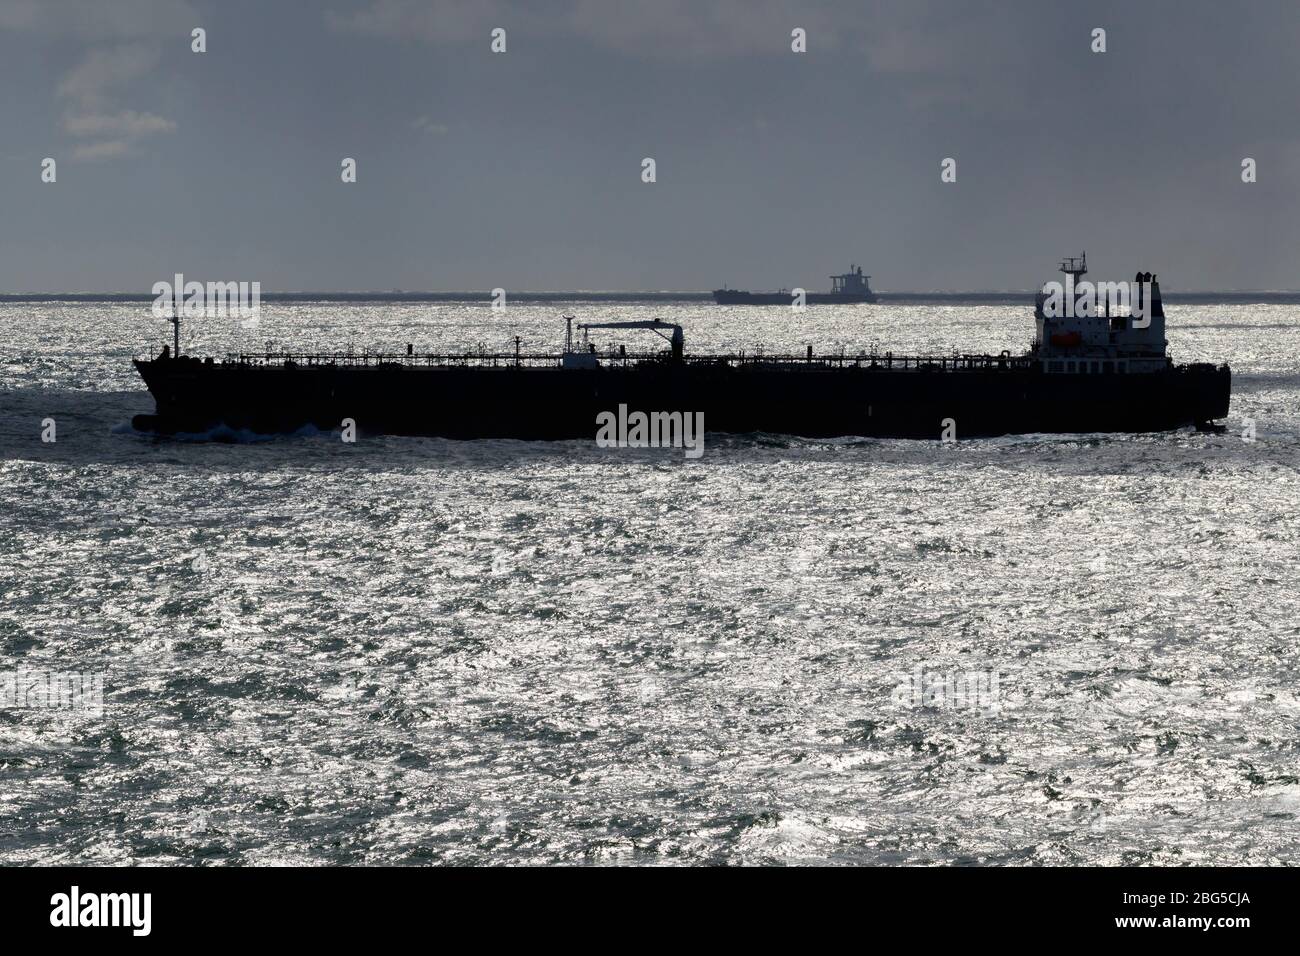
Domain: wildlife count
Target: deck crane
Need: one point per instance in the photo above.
(677, 340)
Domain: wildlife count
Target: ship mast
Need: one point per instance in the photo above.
(1075, 267)
(175, 321)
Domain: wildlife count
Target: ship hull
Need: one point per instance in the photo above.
(552, 403)
(738, 297)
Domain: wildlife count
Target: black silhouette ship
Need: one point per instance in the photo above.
(1096, 375)
(848, 287)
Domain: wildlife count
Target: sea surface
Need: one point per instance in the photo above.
(418, 651)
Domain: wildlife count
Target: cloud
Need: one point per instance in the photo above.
(108, 149)
(121, 43)
(937, 52)
(91, 83)
(101, 20)
(669, 28)
(425, 124)
(127, 123)
(452, 20)
(689, 28)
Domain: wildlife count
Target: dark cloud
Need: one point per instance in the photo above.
(522, 170)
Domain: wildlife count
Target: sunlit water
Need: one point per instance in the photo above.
(419, 651)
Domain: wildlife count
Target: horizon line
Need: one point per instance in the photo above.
(472, 295)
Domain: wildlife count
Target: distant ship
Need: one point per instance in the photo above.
(851, 286)
(1093, 373)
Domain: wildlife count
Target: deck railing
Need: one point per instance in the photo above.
(615, 359)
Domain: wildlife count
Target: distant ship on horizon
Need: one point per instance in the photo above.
(848, 287)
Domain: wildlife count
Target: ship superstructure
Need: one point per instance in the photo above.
(1104, 336)
(852, 283)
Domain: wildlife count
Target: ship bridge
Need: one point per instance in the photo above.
(852, 282)
(1087, 327)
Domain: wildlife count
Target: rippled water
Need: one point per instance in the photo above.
(415, 651)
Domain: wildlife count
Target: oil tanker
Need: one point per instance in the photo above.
(848, 287)
(1087, 374)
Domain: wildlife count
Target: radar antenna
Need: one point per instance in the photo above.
(1075, 265)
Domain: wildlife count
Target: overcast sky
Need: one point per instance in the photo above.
(523, 169)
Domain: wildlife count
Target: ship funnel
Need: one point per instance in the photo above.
(1146, 284)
